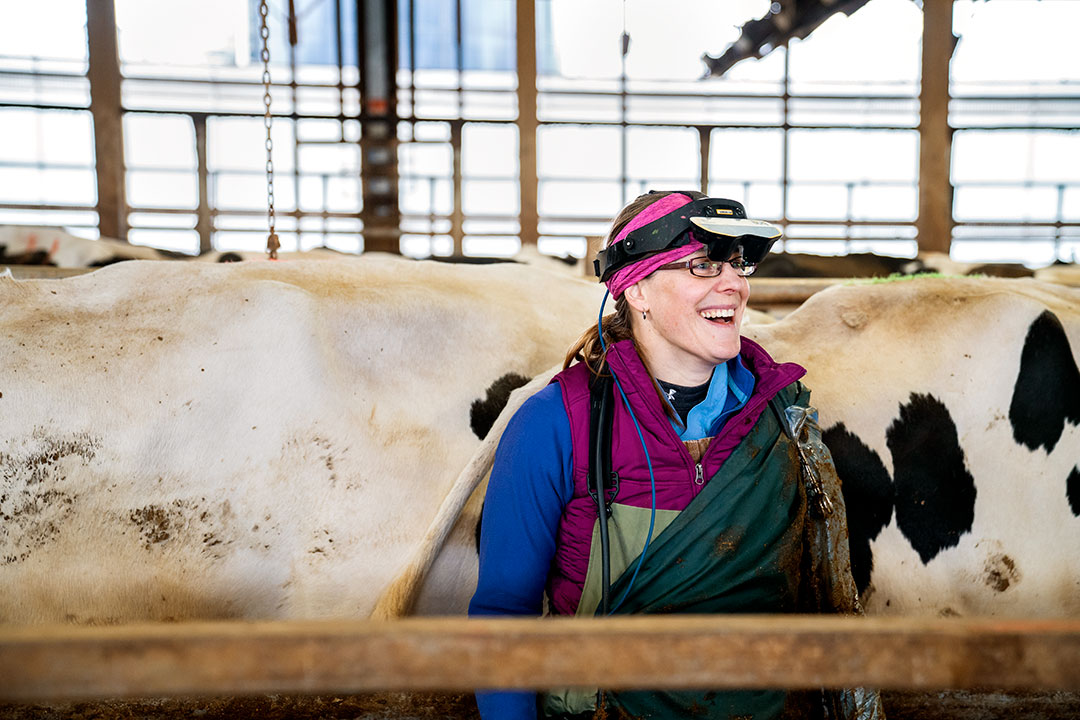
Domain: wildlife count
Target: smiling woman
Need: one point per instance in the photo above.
(659, 472)
(695, 323)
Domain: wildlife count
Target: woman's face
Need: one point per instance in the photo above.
(693, 322)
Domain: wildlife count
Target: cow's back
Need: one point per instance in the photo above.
(268, 440)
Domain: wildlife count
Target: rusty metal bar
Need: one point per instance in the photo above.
(377, 56)
(63, 662)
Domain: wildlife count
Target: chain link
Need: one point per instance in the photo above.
(272, 242)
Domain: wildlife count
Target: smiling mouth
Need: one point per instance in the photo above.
(720, 316)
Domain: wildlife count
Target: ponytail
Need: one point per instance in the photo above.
(588, 349)
(617, 326)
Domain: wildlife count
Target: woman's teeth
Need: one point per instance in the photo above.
(722, 314)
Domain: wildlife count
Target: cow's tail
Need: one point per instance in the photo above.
(400, 596)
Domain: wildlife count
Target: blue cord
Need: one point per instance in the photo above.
(648, 461)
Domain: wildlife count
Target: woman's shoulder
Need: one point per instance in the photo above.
(543, 399)
(538, 432)
(797, 393)
(545, 407)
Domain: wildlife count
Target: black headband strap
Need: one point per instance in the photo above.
(667, 231)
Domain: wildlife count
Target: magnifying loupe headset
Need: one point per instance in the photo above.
(720, 225)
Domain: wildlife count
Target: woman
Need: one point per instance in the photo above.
(682, 422)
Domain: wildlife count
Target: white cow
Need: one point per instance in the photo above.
(1062, 274)
(226, 256)
(28, 244)
(248, 440)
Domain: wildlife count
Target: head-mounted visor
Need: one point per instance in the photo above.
(720, 225)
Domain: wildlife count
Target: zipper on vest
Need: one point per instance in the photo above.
(699, 474)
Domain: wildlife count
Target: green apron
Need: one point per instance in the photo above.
(736, 548)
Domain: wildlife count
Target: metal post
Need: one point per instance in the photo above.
(294, 40)
(104, 76)
(377, 54)
(785, 172)
(457, 218)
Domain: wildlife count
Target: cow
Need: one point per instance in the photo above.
(249, 440)
(293, 440)
(228, 256)
(799, 265)
(1060, 273)
(55, 246)
(952, 410)
(33, 245)
(870, 265)
(526, 255)
(939, 262)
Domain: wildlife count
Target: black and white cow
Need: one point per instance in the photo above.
(952, 408)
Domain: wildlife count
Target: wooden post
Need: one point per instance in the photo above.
(203, 223)
(104, 75)
(654, 652)
(935, 220)
(457, 215)
(526, 121)
(704, 143)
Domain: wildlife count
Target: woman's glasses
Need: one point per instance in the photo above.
(705, 268)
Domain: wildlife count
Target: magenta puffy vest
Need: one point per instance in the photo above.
(678, 478)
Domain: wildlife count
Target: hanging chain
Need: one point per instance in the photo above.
(272, 242)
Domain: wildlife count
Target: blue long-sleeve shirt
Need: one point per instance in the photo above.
(531, 481)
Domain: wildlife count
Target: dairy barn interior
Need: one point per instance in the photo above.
(199, 201)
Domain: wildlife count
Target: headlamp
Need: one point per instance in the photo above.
(718, 224)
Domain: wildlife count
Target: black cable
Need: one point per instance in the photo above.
(600, 469)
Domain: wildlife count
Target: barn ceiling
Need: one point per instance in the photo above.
(787, 19)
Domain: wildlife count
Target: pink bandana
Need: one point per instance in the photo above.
(631, 274)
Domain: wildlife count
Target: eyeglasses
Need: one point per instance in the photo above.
(705, 268)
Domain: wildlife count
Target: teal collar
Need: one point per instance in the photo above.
(729, 388)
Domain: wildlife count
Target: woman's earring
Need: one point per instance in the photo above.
(643, 316)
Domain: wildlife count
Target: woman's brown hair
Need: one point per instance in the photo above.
(617, 325)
